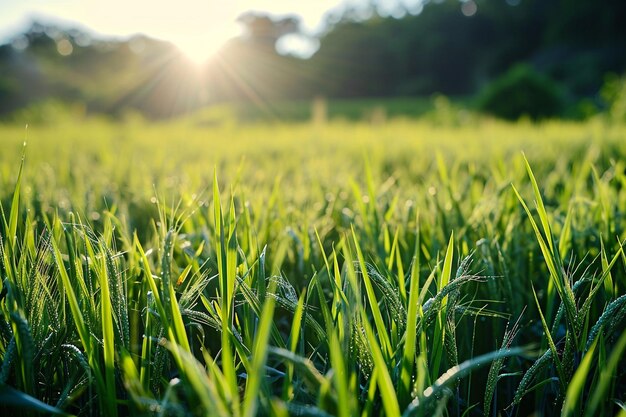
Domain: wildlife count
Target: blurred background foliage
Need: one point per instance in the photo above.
(468, 50)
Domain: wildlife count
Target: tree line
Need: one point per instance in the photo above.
(449, 47)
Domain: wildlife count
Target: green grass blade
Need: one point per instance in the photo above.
(381, 329)
(608, 278)
(306, 369)
(10, 227)
(440, 325)
(145, 263)
(555, 354)
(172, 309)
(345, 401)
(11, 397)
(410, 336)
(566, 234)
(226, 274)
(15, 204)
(452, 375)
(446, 272)
(77, 315)
(205, 385)
(259, 357)
(294, 338)
(383, 379)
(177, 320)
(541, 210)
(573, 398)
(108, 338)
(599, 392)
(557, 280)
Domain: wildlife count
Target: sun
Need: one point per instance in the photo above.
(200, 47)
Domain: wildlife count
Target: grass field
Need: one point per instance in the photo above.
(461, 268)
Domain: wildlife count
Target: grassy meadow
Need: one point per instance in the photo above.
(449, 266)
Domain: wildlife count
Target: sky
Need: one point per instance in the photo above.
(197, 27)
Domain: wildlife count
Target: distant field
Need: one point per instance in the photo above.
(374, 110)
(374, 267)
(337, 109)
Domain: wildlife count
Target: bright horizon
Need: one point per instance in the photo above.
(197, 27)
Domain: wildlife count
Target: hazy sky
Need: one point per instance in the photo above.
(197, 26)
